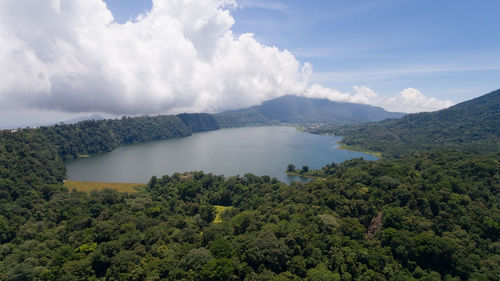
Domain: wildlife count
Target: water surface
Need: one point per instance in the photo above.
(256, 150)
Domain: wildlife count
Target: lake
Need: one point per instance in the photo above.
(237, 151)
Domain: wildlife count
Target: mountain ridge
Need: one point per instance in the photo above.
(472, 125)
(303, 110)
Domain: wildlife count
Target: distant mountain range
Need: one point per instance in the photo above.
(84, 118)
(473, 125)
(301, 110)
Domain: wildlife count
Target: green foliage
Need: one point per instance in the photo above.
(250, 117)
(199, 122)
(221, 248)
(217, 269)
(197, 258)
(470, 126)
(86, 248)
(305, 169)
(426, 216)
(423, 216)
(90, 137)
(321, 273)
(207, 213)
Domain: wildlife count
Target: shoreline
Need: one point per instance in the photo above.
(359, 149)
(302, 175)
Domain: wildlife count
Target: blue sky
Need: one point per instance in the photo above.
(63, 59)
(446, 49)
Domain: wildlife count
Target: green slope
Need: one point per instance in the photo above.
(472, 125)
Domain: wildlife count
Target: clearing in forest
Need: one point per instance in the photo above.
(219, 210)
(86, 186)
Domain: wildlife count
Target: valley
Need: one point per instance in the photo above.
(230, 152)
(427, 213)
(249, 140)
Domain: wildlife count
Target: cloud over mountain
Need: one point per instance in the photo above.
(412, 100)
(70, 55)
(409, 100)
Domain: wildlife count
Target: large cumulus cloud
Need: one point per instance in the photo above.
(70, 55)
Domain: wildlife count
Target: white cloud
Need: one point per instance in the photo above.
(412, 100)
(70, 55)
(361, 94)
(409, 100)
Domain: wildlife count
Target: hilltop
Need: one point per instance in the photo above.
(473, 126)
(302, 110)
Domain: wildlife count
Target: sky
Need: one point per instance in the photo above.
(62, 59)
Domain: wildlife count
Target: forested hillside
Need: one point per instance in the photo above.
(302, 110)
(199, 122)
(31, 171)
(472, 125)
(90, 137)
(242, 118)
(429, 216)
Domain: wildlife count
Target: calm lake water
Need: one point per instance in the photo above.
(256, 150)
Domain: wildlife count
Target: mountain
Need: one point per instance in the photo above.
(473, 125)
(241, 118)
(84, 118)
(427, 216)
(302, 110)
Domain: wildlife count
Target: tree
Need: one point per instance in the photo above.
(290, 168)
(298, 266)
(207, 213)
(197, 258)
(221, 248)
(321, 273)
(217, 269)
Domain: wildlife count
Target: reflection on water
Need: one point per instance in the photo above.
(297, 179)
(256, 150)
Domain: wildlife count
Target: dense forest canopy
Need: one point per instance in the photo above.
(94, 136)
(431, 214)
(199, 122)
(249, 117)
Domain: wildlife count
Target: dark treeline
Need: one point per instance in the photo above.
(199, 122)
(90, 137)
(250, 117)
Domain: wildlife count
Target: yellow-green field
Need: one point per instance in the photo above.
(219, 210)
(86, 186)
(359, 149)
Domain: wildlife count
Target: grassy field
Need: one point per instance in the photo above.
(219, 210)
(89, 186)
(359, 149)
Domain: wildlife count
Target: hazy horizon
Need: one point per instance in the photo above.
(65, 59)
